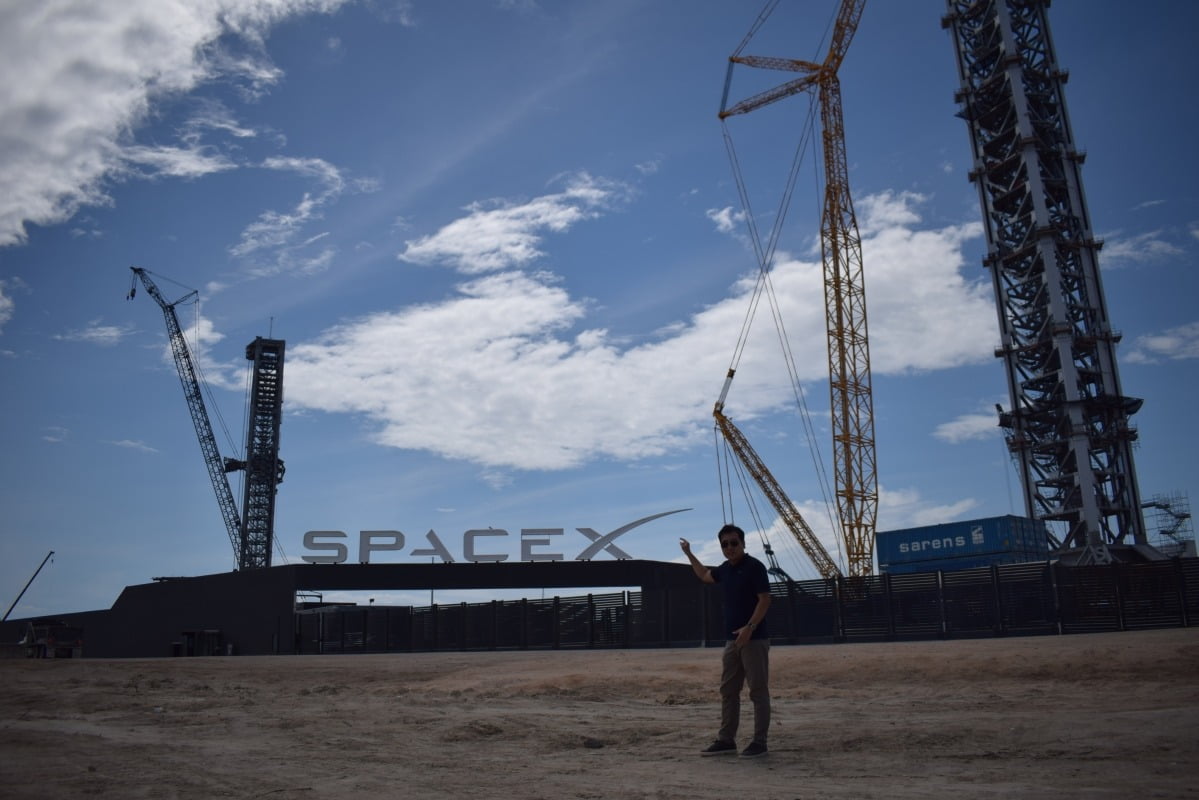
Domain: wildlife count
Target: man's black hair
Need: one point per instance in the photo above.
(732, 529)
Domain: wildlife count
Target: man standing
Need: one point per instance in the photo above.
(746, 655)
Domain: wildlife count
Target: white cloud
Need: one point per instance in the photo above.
(505, 374)
(269, 242)
(177, 162)
(968, 427)
(906, 508)
(923, 313)
(394, 11)
(1147, 248)
(887, 209)
(1173, 344)
(200, 335)
(90, 73)
(500, 235)
(212, 115)
(8, 306)
(95, 333)
(55, 434)
(131, 444)
(727, 220)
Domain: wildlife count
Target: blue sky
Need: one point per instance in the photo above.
(503, 244)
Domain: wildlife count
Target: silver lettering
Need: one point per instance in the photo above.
(436, 548)
(312, 542)
(538, 537)
(605, 542)
(367, 544)
(330, 546)
(468, 546)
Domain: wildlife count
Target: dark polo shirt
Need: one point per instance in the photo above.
(742, 584)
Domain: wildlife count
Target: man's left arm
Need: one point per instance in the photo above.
(745, 633)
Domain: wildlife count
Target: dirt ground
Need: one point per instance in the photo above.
(1100, 715)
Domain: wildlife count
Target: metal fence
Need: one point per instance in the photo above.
(1007, 600)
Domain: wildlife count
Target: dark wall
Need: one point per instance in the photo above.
(252, 612)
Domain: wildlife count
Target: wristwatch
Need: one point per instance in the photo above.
(750, 625)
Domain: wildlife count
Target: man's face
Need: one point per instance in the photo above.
(731, 546)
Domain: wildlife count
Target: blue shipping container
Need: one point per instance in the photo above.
(979, 542)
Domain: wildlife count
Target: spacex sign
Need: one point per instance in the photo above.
(481, 545)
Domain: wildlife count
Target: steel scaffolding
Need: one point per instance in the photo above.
(264, 468)
(1068, 427)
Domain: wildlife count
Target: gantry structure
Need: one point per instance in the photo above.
(1068, 428)
(252, 533)
(264, 468)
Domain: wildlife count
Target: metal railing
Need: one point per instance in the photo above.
(1008, 600)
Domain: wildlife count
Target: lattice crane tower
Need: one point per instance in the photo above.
(264, 468)
(851, 396)
(1068, 428)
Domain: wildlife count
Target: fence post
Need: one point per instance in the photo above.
(1181, 584)
(838, 612)
(524, 623)
(1055, 592)
(941, 604)
(665, 616)
(996, 601)
(628, 620)
(888, 601)
(1120, 595)
(495, 626)
(790, 586)
(591, 620)
(557, 622)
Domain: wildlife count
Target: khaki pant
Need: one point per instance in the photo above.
(749, 664)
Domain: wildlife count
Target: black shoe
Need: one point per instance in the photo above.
(719, 748)
(755, 750)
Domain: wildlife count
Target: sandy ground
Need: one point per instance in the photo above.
(1101, 715)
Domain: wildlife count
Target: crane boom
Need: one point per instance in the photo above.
(195, 403)
(851, 396)
(778, 498)
(845, 310)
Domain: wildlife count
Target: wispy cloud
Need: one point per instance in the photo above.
(131, 444)
(968, 427)
(1174, 344)
(55, 434)
(726, 219)
(89, 77)
(7, 306)
(95, 333)
(269, 244)
(500, 234)
(176, 162)
(1146, 248)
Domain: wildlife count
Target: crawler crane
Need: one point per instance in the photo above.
(251, 535)
(856, 482)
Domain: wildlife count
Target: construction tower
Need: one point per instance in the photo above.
(1068, 427)
(264, 469)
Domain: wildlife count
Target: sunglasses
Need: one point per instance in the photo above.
(727, 543)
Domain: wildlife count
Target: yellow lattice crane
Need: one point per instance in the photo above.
(856, 480)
